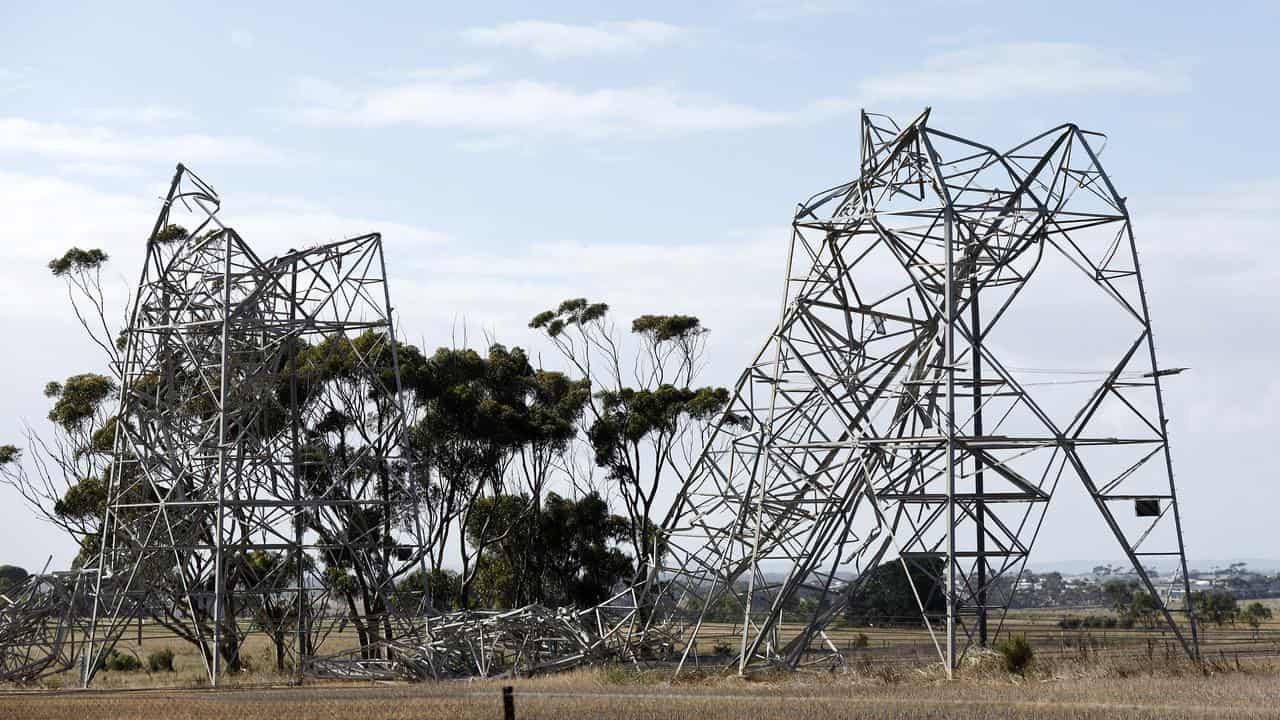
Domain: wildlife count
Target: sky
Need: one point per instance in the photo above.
(647, 155)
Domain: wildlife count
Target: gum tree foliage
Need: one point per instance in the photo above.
(64, 476)
(575, 561)
(1216, 606)
(345, 393)
(1143, 609)
(480, 424)
(440, 587)
(1120, 594)
(646, 421)
(1131, 602)
(464, 436)
(82, 272)
(11, 576)
(1255, 614)
(555, 405)
(886, 597)
(484, 425)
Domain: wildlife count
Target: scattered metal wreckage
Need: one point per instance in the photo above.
(43, 623)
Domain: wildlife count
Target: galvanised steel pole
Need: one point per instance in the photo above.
(950, 340)
(219, 571)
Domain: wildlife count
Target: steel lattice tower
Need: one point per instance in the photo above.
(258, 446)
(884, 420)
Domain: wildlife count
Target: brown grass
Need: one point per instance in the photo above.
(1065, 681)
(1054, 689)
(912, 646)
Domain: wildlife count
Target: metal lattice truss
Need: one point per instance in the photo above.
(523, 641)
(257, 481)
(891, 415)
(43, 624)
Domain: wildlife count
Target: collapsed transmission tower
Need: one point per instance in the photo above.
(896, 417)
(258, 482)
(894, 414)
(43, 625)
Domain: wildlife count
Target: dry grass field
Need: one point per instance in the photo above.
(1116, 673)
(908, 647)
(1101, 689)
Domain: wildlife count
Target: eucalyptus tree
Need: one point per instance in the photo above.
(11, 576)
(350, 463)
(647, 420)
(574, 561)
(486, 425)
(63, 474)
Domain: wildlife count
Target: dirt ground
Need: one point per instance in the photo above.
(1113, 692)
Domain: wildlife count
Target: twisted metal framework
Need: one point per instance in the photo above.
(531, 640)
(43, 624)
(257, 482)
(884, 420)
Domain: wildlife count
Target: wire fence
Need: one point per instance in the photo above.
(1066, 635)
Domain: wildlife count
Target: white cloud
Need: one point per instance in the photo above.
(1024, 69)
(452, 73)
(559, 40)
(499, 290)
(494, 143)
(73, 143)
(1215, 242)
(115, 171)
(140, 115)
(45, 215)
(497, 106)
(242, 38)
(273, 227)
(14, 79)
(470, 98)
(793, 9)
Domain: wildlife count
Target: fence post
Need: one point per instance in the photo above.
(508, 704)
